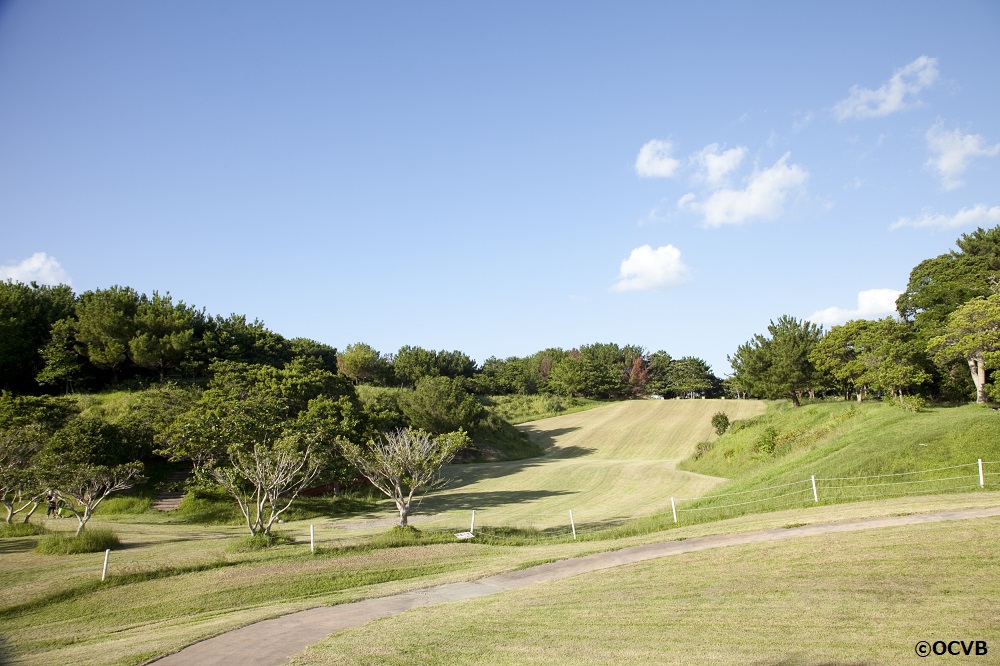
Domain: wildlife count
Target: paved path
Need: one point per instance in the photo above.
(273, 642)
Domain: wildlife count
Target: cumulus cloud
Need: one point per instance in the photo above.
(872, 304)
(714, 166)
(976, 216)
(763, 198)
(952, 151)
(646, 268)
(39, 267)
(655, 160)
(896, 94)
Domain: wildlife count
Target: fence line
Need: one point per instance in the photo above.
(541, 526)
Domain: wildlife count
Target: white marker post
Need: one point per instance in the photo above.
(472, 527)
(815, 495)
(572, 524)
(673, 506)
(982, 479)
(104, 571)
(312, 539)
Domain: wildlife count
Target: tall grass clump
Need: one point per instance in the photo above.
(260, 541)
(126, 506)
(20, 530)
(92, 540)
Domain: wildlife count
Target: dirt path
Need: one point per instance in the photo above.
(275, 641)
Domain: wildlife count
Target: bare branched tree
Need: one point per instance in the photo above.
(265, 480)
(405, 462)
(86, 487)
(19, 490)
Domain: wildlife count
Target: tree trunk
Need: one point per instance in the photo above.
(795, 399)
(404, 513)
(27, 517)
(978, 369)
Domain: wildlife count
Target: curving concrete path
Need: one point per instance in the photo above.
(274, 641)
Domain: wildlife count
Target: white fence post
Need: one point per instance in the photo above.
(572, 524)
(472, 527)
(104, 571)
(982, 480)
(815, 495)
(673, 506)
(312, 539)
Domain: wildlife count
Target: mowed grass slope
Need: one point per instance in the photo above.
(616, 461)
(849, 598)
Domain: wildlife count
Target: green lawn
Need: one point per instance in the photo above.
(855, 598)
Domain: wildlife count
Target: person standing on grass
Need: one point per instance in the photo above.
(52, 506)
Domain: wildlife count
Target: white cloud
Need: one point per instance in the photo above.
(872, 304)
(894, 95)
(39, 267)
(715, 166)
(952, 151)
(646, 268)
(967, 217)
(763, 197)
(655, 160)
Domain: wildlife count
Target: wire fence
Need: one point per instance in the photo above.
(514, 526)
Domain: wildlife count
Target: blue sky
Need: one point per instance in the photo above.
(498, 178)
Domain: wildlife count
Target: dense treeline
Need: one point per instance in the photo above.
(944, 345)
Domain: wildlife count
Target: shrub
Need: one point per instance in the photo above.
(908, 403)
(20, 530)
(93, 540)
(767, 441)
(702, 449)
(398, 537)
(260, 541)
(126, 505)
(720, 421)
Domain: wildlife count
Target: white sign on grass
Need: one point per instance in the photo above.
(464, 535)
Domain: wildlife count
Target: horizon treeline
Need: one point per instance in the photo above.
(55, 341)
(944, 345)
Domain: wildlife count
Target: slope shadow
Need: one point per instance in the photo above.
(468, 473)
(18, 546)
(547, 439)
(482, 500)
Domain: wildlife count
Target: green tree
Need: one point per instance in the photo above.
(26, 424)
(27, 313)
(233, 338)
(165, 333)
(62, 355)
(85, 462)
(779, 365)
(314, 354)
(660, 382)
(893, 358)
(690, 375)
(411, 364)
(264, 434)
(405, 462)
(972, 333)
(106, 325)
(439, 405)
(938, 286)
(363, 364)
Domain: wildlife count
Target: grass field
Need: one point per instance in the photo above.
(610, 463)
(860, 598)
(172, 584)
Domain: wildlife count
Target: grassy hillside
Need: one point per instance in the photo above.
(609, 463)
(848, 441)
